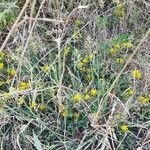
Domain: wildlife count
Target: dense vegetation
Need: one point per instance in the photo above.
(74, 75)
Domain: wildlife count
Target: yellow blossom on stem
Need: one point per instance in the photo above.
(85, 60)
(46, 68)
(120, 60)
(6, 95)
(137, 74)
(24, 85)
(1, 66)
(90, 56)
(33, 105)
(93, 92)
(65, 113)
(117, 46)
(127, 44)
(67, 50)
(77, 97)
(76, 116)
(124, 128)
(130, 92)
(113, 51)
(87, 97)
(144, 99)
(11, 72)
(42, 107)
(21, 101)
(80, 64)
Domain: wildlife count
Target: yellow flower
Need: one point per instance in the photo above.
(117, 116)
(1, 65)
(77, 97)
(1, 105)
(137, 74)
(42, 107)
(90, 56)
(127, 44)
(83, 69)
(67, 50)
(6, 95)
(33, 104)
(76, 116)
(93, 92)
(12, 72)
(24, 85)
(85, 60)
(130, 92)
(21, 101)
(124, 128)
(80, 64)
(144, 99)
(113, 51)
(120, 60)
(119, 10)
(46, 68)
(65, 113)
(2, 55)
(87, 97)
(89, 77)
(117, 46)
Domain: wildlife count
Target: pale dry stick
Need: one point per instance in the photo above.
(30, 34)
(15, 24)
(44, 19)
(31, 13)
(28, 39)
(25, 126)
(124, 67)
(38, 19)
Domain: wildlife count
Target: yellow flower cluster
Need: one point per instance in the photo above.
(42, 107)
(21, 101)
(67, 50)
(78, 97)
(87, 96)
(84, 61)
(11, 72)
(76, 116)
(1, 66)
(127, 44)
(24, 85)
(120, 60)
(46, 68)
(118, 47)
(33, 105)
(137, 74)
(2, 55)
(119, 12)
(64, 111)
(93, 92)
(144, 99)
(130, 92)
(124, 128)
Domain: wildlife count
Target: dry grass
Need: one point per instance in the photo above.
(67, 76)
